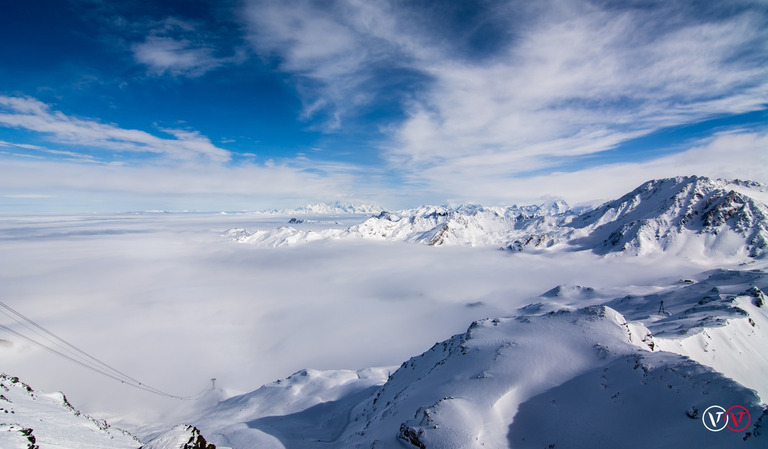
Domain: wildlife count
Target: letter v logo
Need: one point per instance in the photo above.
(715, 418)
(736, 416)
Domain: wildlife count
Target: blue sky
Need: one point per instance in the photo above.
(230, 105)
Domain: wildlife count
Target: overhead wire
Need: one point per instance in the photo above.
(61, 347)
(76, 355)
(60, 342)
(75, 358)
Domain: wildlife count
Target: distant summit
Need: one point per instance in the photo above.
(339, 208)
(334, 208)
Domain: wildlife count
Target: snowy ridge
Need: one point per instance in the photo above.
(464, 392)
(180, 437)
(694, 216)
(679, 215)
(717, 321)
(29, 419)
(527, 226)
(308, 405)
(575, 369)
(464, 225)
(282, 236)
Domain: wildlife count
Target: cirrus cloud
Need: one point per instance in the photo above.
(33, 115)
(557, 80)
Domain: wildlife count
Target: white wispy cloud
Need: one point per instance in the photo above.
(28, 196)
(194, 185)
(579, 84)
(39, 149)
(333, 48)
(729, 155)
(272, 180)
(179, 48)
(33, 115)
(177, 57)
(568, 79)
(188, 170)
(563, 80)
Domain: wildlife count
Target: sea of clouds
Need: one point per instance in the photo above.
(168, 299)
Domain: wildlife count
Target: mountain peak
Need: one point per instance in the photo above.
(182, 436)
(676, 214)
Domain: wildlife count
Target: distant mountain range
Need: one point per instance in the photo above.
(334, 208)
(691, 215)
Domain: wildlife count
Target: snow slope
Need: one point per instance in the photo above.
(34, 420)
(29, 419)
(679, 215)
(575, 369)
(693, 216)
(180, 437)
(636, 401)
(308, 406)
(465, 392)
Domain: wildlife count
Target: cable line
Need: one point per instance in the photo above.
(54, 342)
(36, 343)
(59, 339)
(82, 358)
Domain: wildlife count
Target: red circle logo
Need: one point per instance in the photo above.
(738, 418)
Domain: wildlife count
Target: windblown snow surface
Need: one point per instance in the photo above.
(616, 326)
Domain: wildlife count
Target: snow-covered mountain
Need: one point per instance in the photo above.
(182, 436)
(334, 208)
(464, 225)
(34, 420)
(30, 420)
(306, 407)
(528, 226)
(573, 369)
(618, 366)
(685, 215)
(678, 215)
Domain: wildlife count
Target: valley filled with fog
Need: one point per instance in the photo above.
(168, 299)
